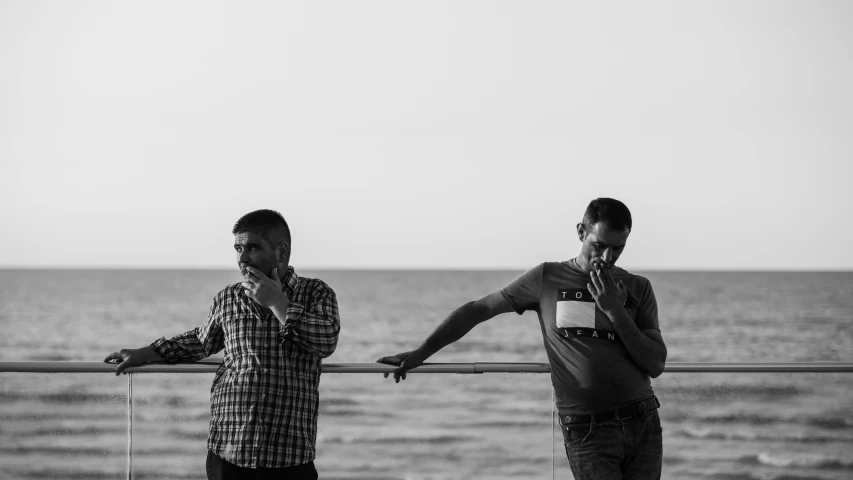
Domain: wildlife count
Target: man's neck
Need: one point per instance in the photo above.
(576, 264)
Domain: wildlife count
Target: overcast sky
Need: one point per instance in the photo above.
(462, 134)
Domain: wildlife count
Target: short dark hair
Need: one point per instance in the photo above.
(266, 223)
(612, 212)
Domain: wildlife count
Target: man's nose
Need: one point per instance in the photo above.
(244, 257)
(607, 256)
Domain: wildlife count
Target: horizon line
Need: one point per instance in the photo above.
(374, 268)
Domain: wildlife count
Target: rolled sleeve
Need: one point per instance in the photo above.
(196, 344)
(315, 328)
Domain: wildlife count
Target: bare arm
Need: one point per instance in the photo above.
(457, 324)
(645, 347)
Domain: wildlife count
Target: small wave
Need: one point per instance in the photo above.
(830, 423)
(710, 434)
(801, 460)
(344, 413)
(68, 431)
(187, 434)
(41, 416)
(711, 393)
(707, 433)
(827, 423)
(66, 474)
(740, 419)
(329, 402)
(505, 424)
(81, 474)
(60, 451)
(49, 357)
(67, 396)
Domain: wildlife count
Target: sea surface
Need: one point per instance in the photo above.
(743, 426)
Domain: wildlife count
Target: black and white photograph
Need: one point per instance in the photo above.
(444, 240)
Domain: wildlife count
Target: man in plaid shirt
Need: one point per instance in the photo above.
(275, 328)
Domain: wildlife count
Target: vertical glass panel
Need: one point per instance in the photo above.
(171, 412)
(63, 426)
(437, 426)
(755, 425)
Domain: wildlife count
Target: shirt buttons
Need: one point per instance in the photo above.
(263, 395)
(265, 370)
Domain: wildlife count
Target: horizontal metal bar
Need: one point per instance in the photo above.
(210, 366)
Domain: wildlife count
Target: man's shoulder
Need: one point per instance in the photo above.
(636, 283)
(229, 291)
(621, 272)
(562, 268)
(314, 285)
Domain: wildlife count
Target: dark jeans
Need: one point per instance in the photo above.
(615, 449)
(219, 469)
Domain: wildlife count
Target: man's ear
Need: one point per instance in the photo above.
(581, 231)
(283, 252)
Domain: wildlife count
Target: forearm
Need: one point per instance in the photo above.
(147, 354)
(189, 346)
(647, 353)
(316, 331)
(454, 327)
(279, 309)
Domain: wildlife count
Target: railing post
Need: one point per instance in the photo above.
(553, 435)
(129, 426)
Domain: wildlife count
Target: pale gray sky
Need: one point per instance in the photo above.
(462, 134)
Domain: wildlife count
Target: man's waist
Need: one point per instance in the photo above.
(635, 409)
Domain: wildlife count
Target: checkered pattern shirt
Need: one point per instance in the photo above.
(264, 398)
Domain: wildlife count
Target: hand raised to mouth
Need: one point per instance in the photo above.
(265, 291)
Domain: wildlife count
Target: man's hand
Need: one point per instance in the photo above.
(127, 358)
(609, 295)
(265, 291)
(406, 361)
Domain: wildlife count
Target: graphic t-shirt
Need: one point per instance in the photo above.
(591, 369)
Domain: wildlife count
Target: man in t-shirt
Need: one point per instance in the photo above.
(601, 334)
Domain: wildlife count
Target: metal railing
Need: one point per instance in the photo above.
(208, 366)
(211, 365)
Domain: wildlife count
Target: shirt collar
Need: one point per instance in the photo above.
(289, 282)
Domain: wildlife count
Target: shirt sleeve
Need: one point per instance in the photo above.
(196, 344)
(314, 327)
(647, 313)
(523, 293)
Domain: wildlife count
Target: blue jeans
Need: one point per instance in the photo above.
(618, 448)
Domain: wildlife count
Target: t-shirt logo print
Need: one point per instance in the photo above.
(575, 308)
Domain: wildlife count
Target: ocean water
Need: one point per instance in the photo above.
(431, 426)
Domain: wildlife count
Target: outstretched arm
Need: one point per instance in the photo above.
(459, 323)
(198, 343)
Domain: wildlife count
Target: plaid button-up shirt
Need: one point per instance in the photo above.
(264, 398)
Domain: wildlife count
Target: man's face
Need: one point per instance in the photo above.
(600, 245)
(253, 250)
